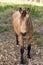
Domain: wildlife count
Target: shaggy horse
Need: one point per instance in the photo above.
(23, 29)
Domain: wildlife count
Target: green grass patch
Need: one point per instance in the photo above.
(2, 28)
(34, 9)
(38, 22)
(37, 35)
(39, 43)
(6, 11)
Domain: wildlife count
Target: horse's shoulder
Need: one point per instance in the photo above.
(16, 14)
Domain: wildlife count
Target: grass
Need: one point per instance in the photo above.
(39, 43)
(34, 9)
(37, 39)
(37, 35)
(2, 29)
(6, 11)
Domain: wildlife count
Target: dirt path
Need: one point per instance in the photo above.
(38, 28)
(9, 53)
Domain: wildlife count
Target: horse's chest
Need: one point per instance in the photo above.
(23, 27)
(17, 25)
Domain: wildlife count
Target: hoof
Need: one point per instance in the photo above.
(29, 56)
(22, 63)
(17, 45)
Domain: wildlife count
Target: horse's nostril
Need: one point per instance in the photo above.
(23, 34)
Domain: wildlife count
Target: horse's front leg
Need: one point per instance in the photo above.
(17, 42)
(29, 48)
(21, 48)
(22, 51)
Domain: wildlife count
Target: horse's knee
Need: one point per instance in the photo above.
(22, 50)
(29, 47)
(29, 42)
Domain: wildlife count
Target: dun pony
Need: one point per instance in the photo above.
(23, 30)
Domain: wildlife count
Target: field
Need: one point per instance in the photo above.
(8, 49)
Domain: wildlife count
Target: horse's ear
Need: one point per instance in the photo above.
(28, 10)
(20, 9)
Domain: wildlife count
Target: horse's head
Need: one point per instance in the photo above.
(24, 12)
(24, 15)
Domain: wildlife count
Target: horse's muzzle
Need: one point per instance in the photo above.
(23, 34)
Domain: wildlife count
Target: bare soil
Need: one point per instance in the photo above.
(10, 53)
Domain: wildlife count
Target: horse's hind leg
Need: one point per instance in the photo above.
(17, 42)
